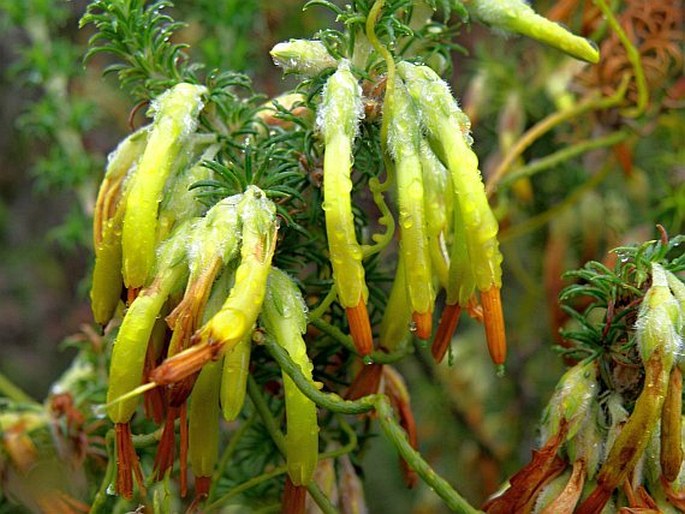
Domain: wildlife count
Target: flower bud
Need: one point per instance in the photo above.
(302, 57)
(517, 16)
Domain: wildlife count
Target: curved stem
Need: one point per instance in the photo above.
(633, 56)
(279, 439)
(391, 428)
(591, 104)
(377, 188)
(565, 154)
(101, 496)
(542, 218)
(280, 470)
(323, 306)
(10, 390)
(227, 453)
(378, 357)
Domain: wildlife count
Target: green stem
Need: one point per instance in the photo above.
(377, 188)
(281, 470)
(591, 104)
(346, 341)
(323, 305)
(398, 437)
(10, 390)
(101, 496)
(392, 429)
(542, 218)
(279, 439)
(330, 401)
(228, 452)
(565, 154)
(386, 219)
(633, 57)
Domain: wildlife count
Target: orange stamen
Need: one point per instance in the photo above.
(127, 461)
(423, 321)
(294, 497)
(153, 400)
(366, 382)
(360, 328)
(494, 324)
(164, 460)
(184, 450)
(448, 324)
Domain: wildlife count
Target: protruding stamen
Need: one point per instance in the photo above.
(448, 324)
(184, 450)
(164, 460)
(494, 324)
(360, 328)
(127, 462)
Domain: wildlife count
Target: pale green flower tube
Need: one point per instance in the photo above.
(107, 220)
(130, 346)
(404, 139)
(203, 421)
(338, 118)
(517, 16)
(176, 113)
(283, 317)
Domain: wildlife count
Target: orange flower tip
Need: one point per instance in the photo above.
(360, 328)
(494, 324)
(202, 485)
(422, 323)
(446, 328)
(294, 497)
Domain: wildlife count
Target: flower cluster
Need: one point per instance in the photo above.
(612, 432)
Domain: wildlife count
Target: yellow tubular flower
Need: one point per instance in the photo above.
(284, 319)
(107, 219)
(338, 118)
(240, 310)
(447, 127)
(176, 114)
(404, 138)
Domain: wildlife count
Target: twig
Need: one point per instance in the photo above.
(590, 104)
(12, 391)
(391, 428)
(537, 221)
(633, 56)
(565, 154)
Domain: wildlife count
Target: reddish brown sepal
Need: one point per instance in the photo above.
(446, 328)
(294, 497)
(527, 482)
(366, 382)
